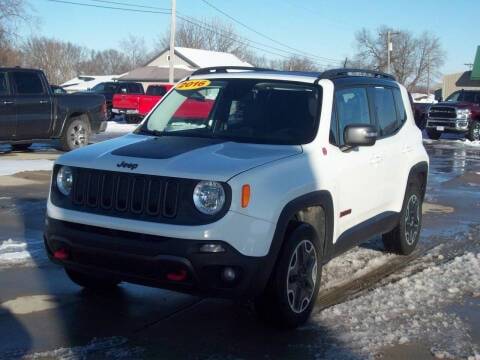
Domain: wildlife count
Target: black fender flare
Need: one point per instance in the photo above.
(419, 173)
(320, 198)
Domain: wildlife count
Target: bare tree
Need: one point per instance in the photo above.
(12, 12)
(412, 58)
(105, 62)
(209, 34)
(135, 50)
(59, 60)
(294, 63)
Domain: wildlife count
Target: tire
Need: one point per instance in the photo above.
(434, 134)
(474, 131)
(290, 295)
(92, 282)
(403, 239)
(76, 134)
(20, 147)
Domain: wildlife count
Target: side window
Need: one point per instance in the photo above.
(385, 110)
(122, 89)
(401, 113)
(333, 136)
(28, 83)
(352, 108)
(3, 84)
(136, 89)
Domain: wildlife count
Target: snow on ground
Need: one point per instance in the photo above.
(106, 348)
(115, 128)
(27, 252)
(409, 310)
(10, 167)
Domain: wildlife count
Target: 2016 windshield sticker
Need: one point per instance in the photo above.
(192, 85)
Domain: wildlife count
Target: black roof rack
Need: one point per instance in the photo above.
(224, 69)
(345, 72)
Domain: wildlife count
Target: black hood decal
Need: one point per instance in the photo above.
(165, 147)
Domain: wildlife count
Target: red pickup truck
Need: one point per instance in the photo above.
(136, 106)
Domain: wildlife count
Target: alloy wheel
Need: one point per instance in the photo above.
(412, 219)
(302, 276)
(78, 135)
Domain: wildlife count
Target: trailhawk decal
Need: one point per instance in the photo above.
(192, 85)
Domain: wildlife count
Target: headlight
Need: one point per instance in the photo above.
(209, 197)
(463, 113)
(65, 180)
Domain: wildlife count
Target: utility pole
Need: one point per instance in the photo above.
(171, 70)
(389, 49)
(428, 74)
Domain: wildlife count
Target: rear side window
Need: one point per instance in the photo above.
(122, 89)
(156, 90)
(385, 110)
(28, 83)
(351, 106)
(3, 84)
(401, 113)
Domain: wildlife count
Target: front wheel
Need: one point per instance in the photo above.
(76, 134)
(290, 295)
(434, 134)
(474, 131)
(92, 282)
(403, 239)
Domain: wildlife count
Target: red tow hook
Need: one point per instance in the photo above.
(177, 276)
(61, 254)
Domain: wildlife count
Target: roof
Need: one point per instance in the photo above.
(154, 73)
(199, 58)
(476, 66)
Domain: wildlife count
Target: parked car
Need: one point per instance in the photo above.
(284, 172)
(459, 113)
(110, 88)
(30, 111)
(125, 101)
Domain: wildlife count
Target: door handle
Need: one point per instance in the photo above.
(406, 149)
(7, 102)
(376, 159)
(43, 101)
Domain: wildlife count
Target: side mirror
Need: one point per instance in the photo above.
(360, 135)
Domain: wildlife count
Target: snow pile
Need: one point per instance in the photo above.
(20, 252)
(10, 167)
(107, 348)
(469, 143)
(119, 127)
(408, 310)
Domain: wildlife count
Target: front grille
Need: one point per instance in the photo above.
(131, 195)
(442, 112)
(447, 123)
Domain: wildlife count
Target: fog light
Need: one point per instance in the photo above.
(228, 274)
(212, 248)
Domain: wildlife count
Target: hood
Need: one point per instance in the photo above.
(177, 156)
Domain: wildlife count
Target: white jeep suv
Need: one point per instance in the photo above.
(242, 183)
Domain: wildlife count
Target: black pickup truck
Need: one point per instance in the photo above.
(31, 112)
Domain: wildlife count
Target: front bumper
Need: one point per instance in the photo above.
(150, 260)
(448, 125)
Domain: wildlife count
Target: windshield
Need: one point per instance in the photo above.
(244, 110)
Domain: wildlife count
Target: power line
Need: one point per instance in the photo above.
(266, 36)
(193, 21)
(130, 4)
(109, 7)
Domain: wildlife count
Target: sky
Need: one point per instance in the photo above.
(323, 28)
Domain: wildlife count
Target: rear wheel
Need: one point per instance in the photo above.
(76, 134)
(21, 147)
(433, 134)
(290, 295)
(404, 237)
(474, 131)
(91, 282)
